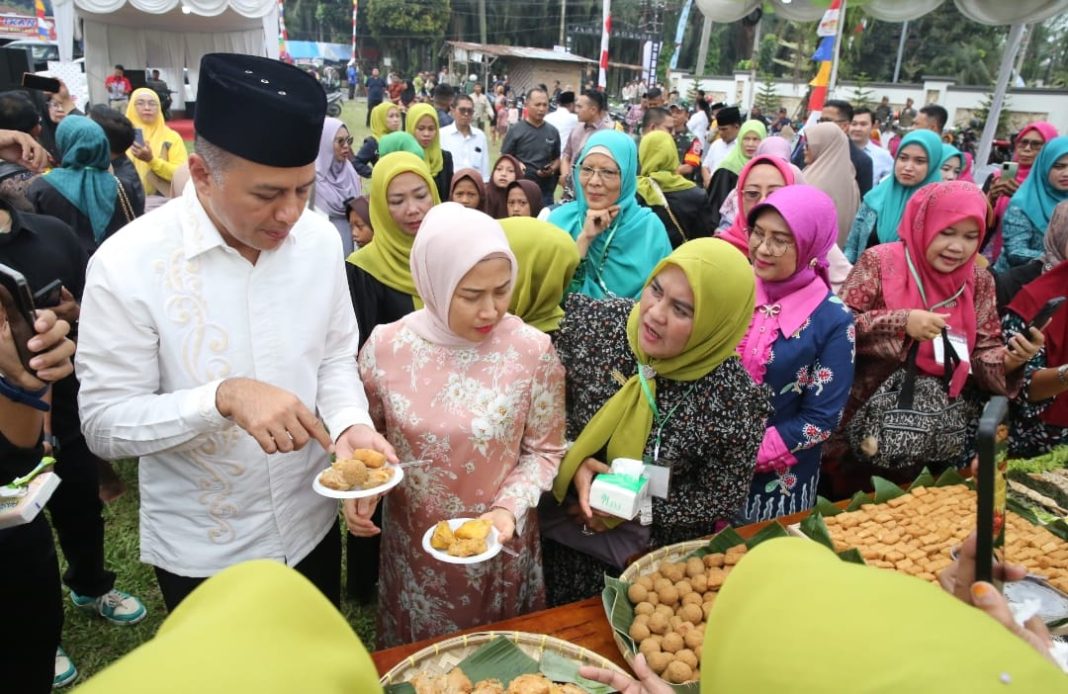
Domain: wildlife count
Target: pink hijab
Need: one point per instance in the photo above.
(813, 220)
(451, 240)
(736, 235)
(930, 210)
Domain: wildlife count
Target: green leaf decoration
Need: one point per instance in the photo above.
(560, 669)
(852, 555)
(816, 529)
(826, 507)
(769, 532)
(616, 604)
(885, 490)
(499, 659)
(925, 479)
(770, 486)
(721, 542)
(858, 500)
(949, 478)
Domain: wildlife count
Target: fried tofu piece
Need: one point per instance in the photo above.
(477, 529)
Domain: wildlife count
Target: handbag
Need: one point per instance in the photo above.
(911, 419)
(124, 201)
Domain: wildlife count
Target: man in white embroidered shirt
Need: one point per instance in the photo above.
(211, 331)
(466, 142)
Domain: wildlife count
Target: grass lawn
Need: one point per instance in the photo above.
(93, 643)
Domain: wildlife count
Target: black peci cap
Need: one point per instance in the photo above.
(260, 109)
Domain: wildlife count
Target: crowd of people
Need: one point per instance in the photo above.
(704, 295)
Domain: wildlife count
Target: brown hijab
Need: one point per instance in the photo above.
(832, 172)
(530, 190)
(497, 198)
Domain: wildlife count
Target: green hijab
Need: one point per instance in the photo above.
(83, 177)
(724, 291)
(434, 159)
(386, 258)
(889, 197)
(658, 158)
(379, 114)
(547, 258)
(736, 160)
(928, 640)
(400, 142)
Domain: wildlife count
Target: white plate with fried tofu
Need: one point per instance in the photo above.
(363, 475)
(462, 541)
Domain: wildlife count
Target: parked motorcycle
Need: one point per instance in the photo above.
(333, 103)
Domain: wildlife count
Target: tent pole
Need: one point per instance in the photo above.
(702, 48)
(901, 49)
(1008, 57)
(837, 48)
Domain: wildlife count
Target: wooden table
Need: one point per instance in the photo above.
(582, 623)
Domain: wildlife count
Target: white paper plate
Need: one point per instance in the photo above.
(398, 475)
(493, 545)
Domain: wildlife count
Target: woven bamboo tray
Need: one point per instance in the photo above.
(647, 565)
(441, 657)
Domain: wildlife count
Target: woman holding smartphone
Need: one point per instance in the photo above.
(159, 151)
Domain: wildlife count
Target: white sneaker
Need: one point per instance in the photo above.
(65, 670)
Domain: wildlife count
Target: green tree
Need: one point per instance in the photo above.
(862, 92)
(767, 98)
(404, 25)
(983, 112)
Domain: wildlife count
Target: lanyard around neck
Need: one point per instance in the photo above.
(923, 293)
(645, 373)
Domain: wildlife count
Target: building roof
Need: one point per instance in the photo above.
(523, 52)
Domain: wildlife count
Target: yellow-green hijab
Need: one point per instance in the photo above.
(387, 256)
(547, 258)
(379, 114)
(736, 160)
(860, 629)
(724, 292)
(257, 627)
(434, 157)
(658, 158)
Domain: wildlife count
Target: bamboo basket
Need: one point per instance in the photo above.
(647, 565)
(441, 657)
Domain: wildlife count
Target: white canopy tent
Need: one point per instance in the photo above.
(1016, 13)
(168, 34)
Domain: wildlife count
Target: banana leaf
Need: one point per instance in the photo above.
(816, 529)
(500, 659)
(560, 669)
(885, 490)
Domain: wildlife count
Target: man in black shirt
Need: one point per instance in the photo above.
(376, 91)
(537, 144)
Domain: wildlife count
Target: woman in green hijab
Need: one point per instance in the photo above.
(385, 119)
(82, 191)
(400, 142)
(423, 125)
(547, 260)
(656, 379)
(724, 179)
(383, 291)
(676, 200)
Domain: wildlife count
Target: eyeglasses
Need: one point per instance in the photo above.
(145, 104)
(344, 141)
(776, 245)
(466, 111)
(1030, 144)
(607, 175)
(55, 106)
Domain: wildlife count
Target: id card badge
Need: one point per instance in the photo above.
(959, 344)
(659, 480)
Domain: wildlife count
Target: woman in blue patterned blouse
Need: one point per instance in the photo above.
(800, 343)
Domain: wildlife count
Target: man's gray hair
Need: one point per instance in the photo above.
(217, 158)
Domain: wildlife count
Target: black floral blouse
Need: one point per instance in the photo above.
(1030, 435)
(711, 440)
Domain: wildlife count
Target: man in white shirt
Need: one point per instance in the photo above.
(466, 142)
(882, 162)
(212, 331)
(564, 117)
(728, 123)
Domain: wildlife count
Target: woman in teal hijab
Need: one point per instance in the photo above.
(1027, 218)
(82, 192)
(918, 162)
(953, 162)
(619, 241)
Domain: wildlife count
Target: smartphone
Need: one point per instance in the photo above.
(44, 84)
(48, 295)
(1010, 169)
(1044, 314)
(991, 488)
(17, 299)
(139, 136)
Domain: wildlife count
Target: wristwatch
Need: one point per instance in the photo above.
(1062, 374)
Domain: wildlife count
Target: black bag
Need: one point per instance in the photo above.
(911, 419)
